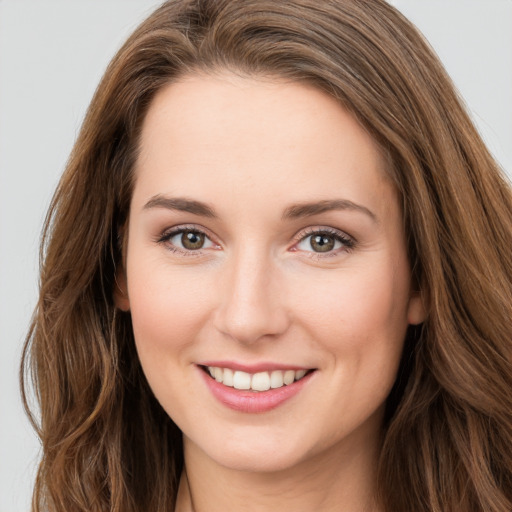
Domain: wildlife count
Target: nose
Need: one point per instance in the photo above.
(251, 300)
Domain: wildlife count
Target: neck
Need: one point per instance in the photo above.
(341, 479)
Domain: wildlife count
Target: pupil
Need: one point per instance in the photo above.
(192, 240)
(322, 243)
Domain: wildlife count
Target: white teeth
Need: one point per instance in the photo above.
(241, 380)
(276, 379)
(299, 374)
(261, 381)
(228, 377)
(288, 377)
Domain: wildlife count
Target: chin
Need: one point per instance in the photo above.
(263, 462)
(256, 453)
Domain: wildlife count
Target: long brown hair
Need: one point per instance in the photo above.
(107, 443)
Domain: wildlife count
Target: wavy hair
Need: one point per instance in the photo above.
(107, 445)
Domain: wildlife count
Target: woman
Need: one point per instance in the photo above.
(276, 275)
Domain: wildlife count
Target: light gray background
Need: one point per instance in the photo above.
(52, 54)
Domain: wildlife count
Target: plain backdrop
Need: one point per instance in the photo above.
(52, 55)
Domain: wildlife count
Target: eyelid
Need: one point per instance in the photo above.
(348, 242)
(168, 233)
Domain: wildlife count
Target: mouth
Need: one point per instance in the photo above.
(254, 388)
(255, 382)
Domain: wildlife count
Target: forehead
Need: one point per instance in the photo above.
(209, 136)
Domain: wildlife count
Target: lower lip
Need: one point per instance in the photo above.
(254, 401)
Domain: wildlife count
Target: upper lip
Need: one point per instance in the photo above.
(253, 368)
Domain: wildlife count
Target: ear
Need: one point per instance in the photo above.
(416, 312)
(121, 299)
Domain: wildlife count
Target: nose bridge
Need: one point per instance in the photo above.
(251, 302)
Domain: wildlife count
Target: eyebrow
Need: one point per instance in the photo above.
(181, 204)
(295, 211)
(314, 208)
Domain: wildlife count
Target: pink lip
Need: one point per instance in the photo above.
(249, 401)
(252, 368)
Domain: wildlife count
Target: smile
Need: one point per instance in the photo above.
(261, 381)
(256, 391)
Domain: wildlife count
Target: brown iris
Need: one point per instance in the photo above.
(192, 240)
(322, 243)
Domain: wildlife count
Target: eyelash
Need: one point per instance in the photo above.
(347, 242)
(167, 235)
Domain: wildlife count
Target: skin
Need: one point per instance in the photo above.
(259, 292)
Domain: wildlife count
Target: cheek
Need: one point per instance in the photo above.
(357, 311)
(168, 312)
(167, 306)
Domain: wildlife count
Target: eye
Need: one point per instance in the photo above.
(186, 240)
(325, 241)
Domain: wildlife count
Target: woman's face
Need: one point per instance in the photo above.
(265, 238)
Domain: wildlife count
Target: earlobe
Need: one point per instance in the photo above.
(121, 299)
(416, 313)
